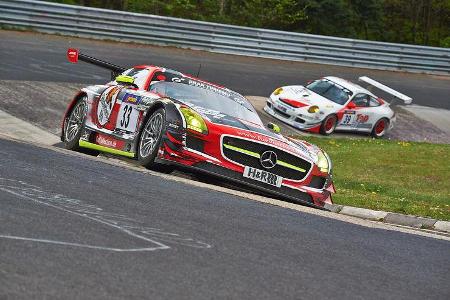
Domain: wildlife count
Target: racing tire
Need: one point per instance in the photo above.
(73, 125)
(149, 142)
(380, 128)
(328, 125)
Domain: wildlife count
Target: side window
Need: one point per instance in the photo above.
(361, 100)
(374, 102)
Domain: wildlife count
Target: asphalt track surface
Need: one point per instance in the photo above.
(31, 56)
(73, 227)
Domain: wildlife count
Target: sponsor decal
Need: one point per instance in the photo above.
(146, 101)
(132, 99)
(360, 118)
(262, 176)
(106, 104)
(266, 140)
(109, 142)
(208, 112)
(221, 91)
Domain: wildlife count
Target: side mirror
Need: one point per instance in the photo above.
(125, 79)
(351, 105)
(274, 127)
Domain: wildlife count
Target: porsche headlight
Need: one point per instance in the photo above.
(194, 121)
(278, 91)
(323, 162)
(313, 109)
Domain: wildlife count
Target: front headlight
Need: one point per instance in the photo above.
(324, 162)
(278, 91)
(313, 109)
(194, 121)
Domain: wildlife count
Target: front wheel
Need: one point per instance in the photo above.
(150, 141)
(328, 125)
(380, 128)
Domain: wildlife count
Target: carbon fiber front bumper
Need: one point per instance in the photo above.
(282, 193)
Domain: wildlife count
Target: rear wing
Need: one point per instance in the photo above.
(386, 89)
(73, 55)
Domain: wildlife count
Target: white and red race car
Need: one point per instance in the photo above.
(333, 103)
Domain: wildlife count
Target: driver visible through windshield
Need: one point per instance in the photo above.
(208, 97)
(330, 90)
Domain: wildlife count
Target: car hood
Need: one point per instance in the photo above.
(307, 97)
(259, 133)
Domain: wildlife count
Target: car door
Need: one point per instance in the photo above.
(358, 115)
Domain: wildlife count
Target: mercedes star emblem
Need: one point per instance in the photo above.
(268, 159)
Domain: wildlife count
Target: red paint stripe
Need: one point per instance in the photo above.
(294, 103)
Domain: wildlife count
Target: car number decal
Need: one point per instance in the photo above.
(127, 118)
(348, 118)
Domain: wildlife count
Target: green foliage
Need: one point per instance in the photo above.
(425, 22)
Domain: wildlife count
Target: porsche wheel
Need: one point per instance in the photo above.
(380, 128)
(73, 125)
(328, 125)
(150, 141)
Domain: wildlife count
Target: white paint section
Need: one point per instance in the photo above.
(21, 130)
(439, 117)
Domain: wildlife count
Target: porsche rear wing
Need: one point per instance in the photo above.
(73, 55)
(386, 89)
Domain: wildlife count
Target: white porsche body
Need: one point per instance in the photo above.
(350, 106)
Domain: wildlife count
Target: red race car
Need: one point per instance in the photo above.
(163, 118)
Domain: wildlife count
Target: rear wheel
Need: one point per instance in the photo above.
(150, 142)
(328, 125)
(380, 128)
(73, 125)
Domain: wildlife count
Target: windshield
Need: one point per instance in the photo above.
(330, 90)
(203, 96)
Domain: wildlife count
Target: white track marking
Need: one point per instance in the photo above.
(11, 237)
(77, 207)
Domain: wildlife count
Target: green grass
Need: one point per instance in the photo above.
(403, 177)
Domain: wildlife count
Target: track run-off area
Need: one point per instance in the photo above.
(76, 226)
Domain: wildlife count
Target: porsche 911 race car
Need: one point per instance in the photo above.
(164, 118)
(332, 103)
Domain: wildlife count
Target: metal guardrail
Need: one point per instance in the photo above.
(123, 26)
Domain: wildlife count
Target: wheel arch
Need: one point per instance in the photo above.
(388, 122)
(171, 113)
(326, 117)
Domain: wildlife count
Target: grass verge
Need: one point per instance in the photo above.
(403, 177)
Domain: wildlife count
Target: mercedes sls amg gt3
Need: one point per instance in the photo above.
(163, 119)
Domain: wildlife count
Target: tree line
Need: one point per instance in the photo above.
(421, 22)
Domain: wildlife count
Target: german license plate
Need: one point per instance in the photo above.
(262, 176)
(282, 108)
